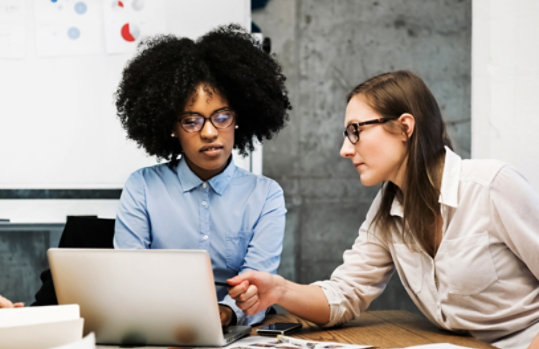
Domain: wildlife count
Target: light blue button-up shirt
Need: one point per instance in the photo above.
(238, 217)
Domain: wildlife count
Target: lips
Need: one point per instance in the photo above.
(211, 149)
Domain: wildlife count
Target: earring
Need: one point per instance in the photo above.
(236, 127)
(172, 135)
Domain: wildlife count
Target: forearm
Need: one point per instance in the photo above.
(254, 291)
(307, 301)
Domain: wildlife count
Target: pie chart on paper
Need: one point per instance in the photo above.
(130, 32)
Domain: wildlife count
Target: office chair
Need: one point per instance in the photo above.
(79, 232)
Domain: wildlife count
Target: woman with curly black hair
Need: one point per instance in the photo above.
(190, 103)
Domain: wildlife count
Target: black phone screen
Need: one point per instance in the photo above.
(279, 328)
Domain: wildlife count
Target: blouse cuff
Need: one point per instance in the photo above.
(336, 311)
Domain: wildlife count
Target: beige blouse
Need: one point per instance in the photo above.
(484, 277)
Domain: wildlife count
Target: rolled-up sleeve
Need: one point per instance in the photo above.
(366, 269)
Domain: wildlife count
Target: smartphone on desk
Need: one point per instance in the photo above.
(278, 328)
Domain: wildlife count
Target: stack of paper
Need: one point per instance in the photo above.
(40, 327)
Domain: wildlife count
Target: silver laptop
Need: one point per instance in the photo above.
(142, 297)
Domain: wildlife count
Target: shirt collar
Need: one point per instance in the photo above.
(396, 208)
(450, 179)
(449, 188)
(189, 180)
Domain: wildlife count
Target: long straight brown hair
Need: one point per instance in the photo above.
(393, 94)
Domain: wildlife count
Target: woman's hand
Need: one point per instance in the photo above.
(6, 303)
(255, 291)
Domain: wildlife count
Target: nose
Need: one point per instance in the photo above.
(208, 131)
(347, 148)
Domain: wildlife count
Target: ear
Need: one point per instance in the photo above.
(407, 121)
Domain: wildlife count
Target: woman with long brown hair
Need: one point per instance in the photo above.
(461, 234)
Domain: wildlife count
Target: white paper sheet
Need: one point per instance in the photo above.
(12, 31)
(42, 335)
(40, 327)
(10, 317)
(87, 342)
(69, 27)
(129, 21)
(257, 342)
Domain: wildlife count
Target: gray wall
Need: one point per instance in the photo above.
(23, 257)
(326, 48)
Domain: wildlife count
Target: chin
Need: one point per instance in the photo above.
(368, 181)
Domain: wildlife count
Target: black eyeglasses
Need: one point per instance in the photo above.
(193, 122)
(352, 130)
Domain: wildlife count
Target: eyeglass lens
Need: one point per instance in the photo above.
(352, 133)
(352, 130)
(220, 119)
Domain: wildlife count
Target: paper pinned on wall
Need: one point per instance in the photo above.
(68, 27)
(129, 21)
(12, 31)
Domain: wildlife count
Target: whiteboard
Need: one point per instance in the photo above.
(58, 122)
(505, 81)
(60, 63)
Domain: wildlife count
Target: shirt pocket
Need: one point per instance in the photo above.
(466, 265)
(409, 263)
(236, 249)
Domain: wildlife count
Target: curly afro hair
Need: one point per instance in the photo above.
(158, 82)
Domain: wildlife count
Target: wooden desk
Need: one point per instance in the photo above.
(383, 329)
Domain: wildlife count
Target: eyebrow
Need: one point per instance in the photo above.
(189, 112)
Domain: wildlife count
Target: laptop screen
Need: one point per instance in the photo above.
(140, 297)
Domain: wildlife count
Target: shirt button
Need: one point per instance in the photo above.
(204, 185)
(205, 237)
(204, 203)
